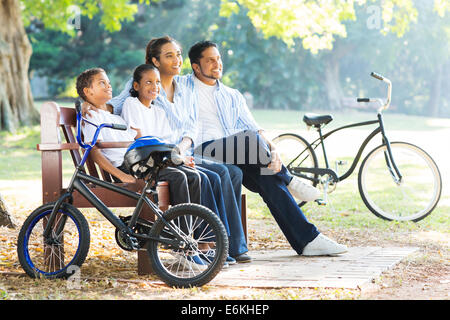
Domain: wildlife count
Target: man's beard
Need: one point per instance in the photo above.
(209, 76)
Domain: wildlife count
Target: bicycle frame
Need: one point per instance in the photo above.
(395, 172)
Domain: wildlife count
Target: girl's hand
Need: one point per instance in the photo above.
(189, 161)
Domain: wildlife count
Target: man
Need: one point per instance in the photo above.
(222, 117)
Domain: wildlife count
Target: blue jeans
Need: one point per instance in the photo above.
(230, 193)
(271, 187)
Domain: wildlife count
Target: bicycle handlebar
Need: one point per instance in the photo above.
(377, 76)
(388, 99)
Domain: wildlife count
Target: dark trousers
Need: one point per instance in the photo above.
(184, 184)
(271, 187)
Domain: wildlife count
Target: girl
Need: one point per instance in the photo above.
(149, 119)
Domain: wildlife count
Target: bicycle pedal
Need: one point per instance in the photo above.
(133, 243)
(321, 202)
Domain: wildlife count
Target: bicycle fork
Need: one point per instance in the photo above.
(388, 157)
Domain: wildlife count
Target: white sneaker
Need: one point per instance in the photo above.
(303, 191)
(323, 246)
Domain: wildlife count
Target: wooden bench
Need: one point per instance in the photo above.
(56, 119)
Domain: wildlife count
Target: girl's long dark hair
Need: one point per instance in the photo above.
(137, 76)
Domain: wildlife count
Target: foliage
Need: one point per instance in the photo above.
(275, 68)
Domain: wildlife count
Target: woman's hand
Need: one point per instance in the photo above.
(86, 109)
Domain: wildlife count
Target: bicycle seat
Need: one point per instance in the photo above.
(312, 119)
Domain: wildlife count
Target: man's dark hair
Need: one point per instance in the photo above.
(153, 49)
(84, 80)
(196, 51)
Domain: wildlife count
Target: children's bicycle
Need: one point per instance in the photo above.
(187, 245)
(396, 180)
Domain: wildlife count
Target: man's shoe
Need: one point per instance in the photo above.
(302, 191)
(323, 246)
(243, 258)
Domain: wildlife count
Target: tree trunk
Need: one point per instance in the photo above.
(16, 101)
(332, 83)
(435, 92)
(331, 77)
(5, 218)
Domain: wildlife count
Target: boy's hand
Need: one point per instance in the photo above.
(126, 178)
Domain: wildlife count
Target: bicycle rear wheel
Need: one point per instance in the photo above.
(417, 193)
(296, 152)
(67, 245)
(194, 265)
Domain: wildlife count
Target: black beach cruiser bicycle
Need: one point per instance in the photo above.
(396, 180)
(56, 235)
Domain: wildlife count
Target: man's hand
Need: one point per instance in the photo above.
(275, 164)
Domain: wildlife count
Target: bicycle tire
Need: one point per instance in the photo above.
(421, 183)
(167, 262)
(48, 260)
(287, 144)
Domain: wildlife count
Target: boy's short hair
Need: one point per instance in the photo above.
(84, 80)
(196, 51)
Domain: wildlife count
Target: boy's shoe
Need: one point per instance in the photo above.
(303, 191)
(323, 246)
(243, 258)
(193, 262)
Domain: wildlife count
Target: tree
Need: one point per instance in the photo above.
(321, 24)
(16, 102)
(5, 217)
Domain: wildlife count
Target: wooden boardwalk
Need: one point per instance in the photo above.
(284, 268)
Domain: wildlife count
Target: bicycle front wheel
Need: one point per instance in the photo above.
(414, 196)
(67, 245)
(295, 153)
(205, 250)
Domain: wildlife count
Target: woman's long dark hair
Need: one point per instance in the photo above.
(137, 76)
(153, 49)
